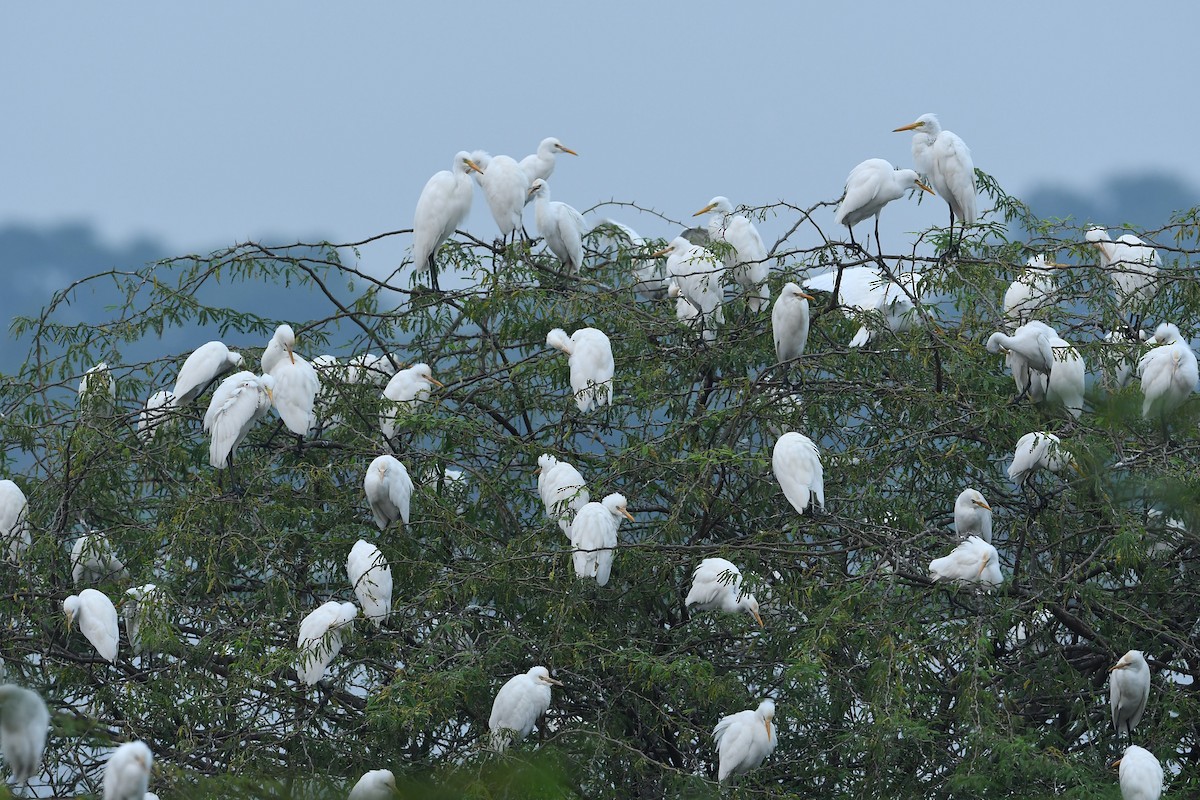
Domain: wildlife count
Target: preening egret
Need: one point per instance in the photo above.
(371, 368)
(1066, 382)
(789, 322)
(504, 187)
(872, 185)
(296, 383)
(518, 705)
(541, 163)
(1133, 266)
(320, 638)
(1169, 372)
(371, 578)
(1027, 352)
(142, 603)
(973, 561)
(972, 516)
(797, 465)
(406, 388)
(744, 739)
(562, 489)
(864, 290)
(128, 772)
(1031, 290)
(14, 520)
(944, 158)
(154, 413)
(1128, 691)
(560, 225)
(207, 362)
(1034, 451)
(1140, 774)
(24, 723)
(98, 378)
(241, 400)
(444, 204)
(649, 281)
(93, 560)
(695, 273)
(594, 537)
(591, 362)
(378, 784)
(97, 621)
(747, 258)
(388, 489)
(717, 585)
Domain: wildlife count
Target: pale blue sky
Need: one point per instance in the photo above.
(208, 123)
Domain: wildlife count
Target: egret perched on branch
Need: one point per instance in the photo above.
(1140, 774)
(444, 204)
(97, 621)
(371, 578)
(1133, 266)
(518, 705)
(541, 163)
(207, 362)
(744, 740)
(241, 400)
(717, 585)
(406, 388)
(872, 185)
(296, 383)
(1032, 289)
(156, 411)
(560, 225)
(591, 362)
(320, 638)
(378, 784)
(1034, 451)
(128, 772)
(1028, 353)
(944, 158)
(93, 561)
(504, 187)
(1129, 350)
(789, 322)
(1128, 691)
(864, 290)
(973, 561)
(141, 605)
(14, 519)
(24, 723)
(370, 368)
(389, 490)
(695, 281)
(747, 258)
(972, 516)
(562, 489)
(594, 537)
(649, 283)
(797, 466)
(1169, 372)
(99, 378)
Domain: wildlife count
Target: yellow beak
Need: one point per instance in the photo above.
(983, 566)
(806, 296)
(705, 210)
(472, 165)
(767, 723)
(567, 150)
(758, 618)
(983, 505)
(628, 516)
(923, 186)
(289, 352)
(909, 127)
(664, 251)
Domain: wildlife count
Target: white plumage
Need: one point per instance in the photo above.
(377, 784)
(864, 290)
(241, 400)
(870, 186)
(127, 773)
(591, 361)
(142, 603)
(504, 187)
(296, 383)
(1133, 266)
(1128, 691)
(156, 411)
(444, 204)
(1034, 451)
(389, 490)
(93, 560)
(207, 362)
(405, 389)
(789, 322)
(747, 258)
(14, 519)
(1027, 351)
(562, 489)
(1140, 774)
(943, 157)
(797, 466)
(744, 740)
(98, 378)
(695, 275)
(24, 723)
(519, 704)
(541, 163)
(560, 225)
(972, 516)
(1033, 289)
(1168, 372)
(371, 578)
(594, 537)
(320, 639)
(717, 585)
(97, 621)
(972, 561)
(1129, 354)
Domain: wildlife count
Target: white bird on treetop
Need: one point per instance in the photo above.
(972, 515)
(206, 363)
(389, 490)
(870, 186)
(504, 187)
(717, 585)
(296, 383)
(972, 561)
(1128, 691)
(1168, 372)
(695, 281)
(320, 639)
(377, 784)
(1032, 289)
(864, 290)
(744, 740)
(594, 537)
(127, 773)
(541, 163)
(156, 411)
(746, 258)
(406, 388)
(371, 578)
(591, 362)
(241, 400)
(1034, 451)
(562, 489)
(444, 204)
(14, 519)
(943, 157)
(561, 225)
(1140, 774)
(789, 322)
(796, 462)
(97, 621)
(1133, 266)
(518, 706)
(24, 723)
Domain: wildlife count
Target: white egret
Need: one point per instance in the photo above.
(296, 383)
(142, 604)
(371, 368)
(1169, 372)
(406, 388)
(1140, 774)
(154, 413)
(972, 516)
(128, 772)
(1028, 352)
(560, 225)
(444, 204)
(505, 187)
(98, 378)
(744, 740)
(518, 706)
(97, 621)
(1128, 691)
(872, 185)
(1129, 353)
(594, 537)
(746, 258)
(591, 361)
(320, 638)
(1133, 267)
(378, 784)
(1034, 451)
(945, 160)
(541, 163)
(789, 322)
(1034, 288)
(864, 290)
(93, 560)
(695, 273)
(1066, 382)
(389, 490)
(562, 489)
(717, 585)
(14, 520)
(972, 561)
(371, 578)
(207, 362)
(649, 281)
(24, 723)
(797, 466)
(241, 400)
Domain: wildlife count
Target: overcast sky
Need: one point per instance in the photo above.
(209, 123)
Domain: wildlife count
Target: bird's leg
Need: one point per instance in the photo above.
(433, 282)
(878, 244)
